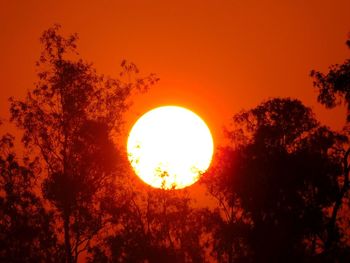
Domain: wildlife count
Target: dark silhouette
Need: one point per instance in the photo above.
(68, 118)
(27, 230)
(334, 86)
(152, 225)
(334, 89)
(275, 183)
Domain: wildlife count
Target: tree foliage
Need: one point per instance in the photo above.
(152, 225)
(68, 118)
(334, 86)
(282, 172)
(27, 230)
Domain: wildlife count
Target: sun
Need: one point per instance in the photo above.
(170, 147)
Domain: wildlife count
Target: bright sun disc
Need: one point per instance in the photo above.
(170, 147)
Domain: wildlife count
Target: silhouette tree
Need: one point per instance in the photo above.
(282, 170)
(228, 224)
(152, 226)
(334, 89)
(26, 228)
(68, 120)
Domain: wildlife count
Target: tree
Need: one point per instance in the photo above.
(334, 88)
(68, 119)
(26, 228)
(282, 171)
(152, 225)
(228, 224)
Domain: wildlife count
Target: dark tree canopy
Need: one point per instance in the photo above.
(69, 118)
(152, 225)
(282, 172)
(334, 86)
(27, 230)
(334, 89)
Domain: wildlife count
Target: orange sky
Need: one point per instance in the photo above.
(214, 57)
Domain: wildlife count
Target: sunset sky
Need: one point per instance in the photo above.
(279, 194)
(213, 57)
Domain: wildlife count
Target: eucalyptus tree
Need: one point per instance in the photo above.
(68, 120)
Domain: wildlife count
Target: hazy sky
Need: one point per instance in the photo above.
(214, 57)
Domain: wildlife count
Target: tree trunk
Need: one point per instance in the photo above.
(68, 248)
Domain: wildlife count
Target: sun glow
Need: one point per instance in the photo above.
(170, 147)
